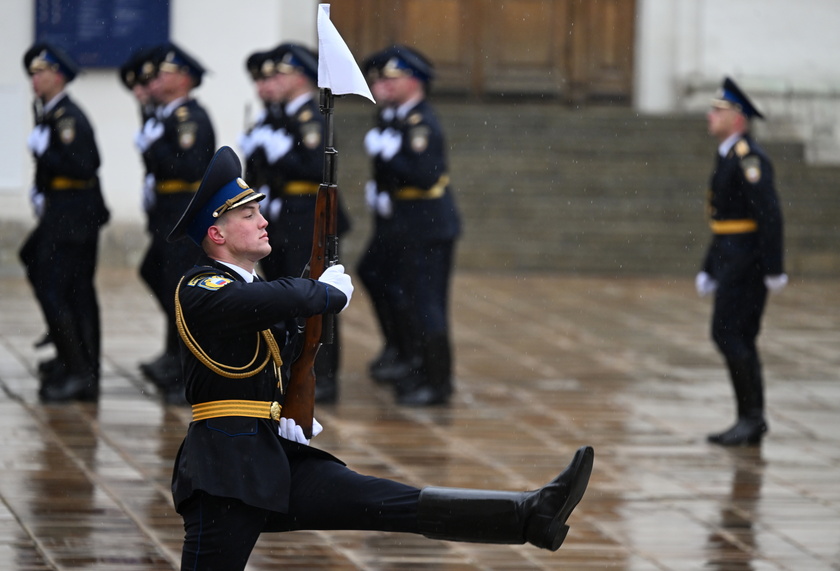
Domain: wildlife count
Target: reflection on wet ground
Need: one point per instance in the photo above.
(544, 364)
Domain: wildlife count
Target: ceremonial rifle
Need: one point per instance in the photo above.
(299, 404)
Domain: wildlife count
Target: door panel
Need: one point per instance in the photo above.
(574, 49)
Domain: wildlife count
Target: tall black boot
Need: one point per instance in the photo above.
(748, 386)
(537, 517)
(434, 385)
(78, 381)
(409, 352)
(381, 368)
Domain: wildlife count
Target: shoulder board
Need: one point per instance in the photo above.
(742, 148)
(209, 281)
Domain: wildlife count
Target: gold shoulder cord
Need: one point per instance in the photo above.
(229, 371)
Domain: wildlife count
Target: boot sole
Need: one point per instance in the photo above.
(581, 466)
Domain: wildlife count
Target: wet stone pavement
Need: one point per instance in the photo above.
(545, 363)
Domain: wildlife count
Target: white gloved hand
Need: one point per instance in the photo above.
(384, 206)
(291, 431)
(277, 145)
(36, 198)
(335, 276)
(391, 141)
(370, 195)
(149, 197)
(39, 140)
(247, 143)
(776, 283)
(373, 142)
(705, 284)
(275, 207)
(152, 131)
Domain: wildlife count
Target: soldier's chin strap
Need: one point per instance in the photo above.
(230, 371)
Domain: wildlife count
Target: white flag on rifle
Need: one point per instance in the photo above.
(337, 69)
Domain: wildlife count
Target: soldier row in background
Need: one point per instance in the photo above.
(410, 254)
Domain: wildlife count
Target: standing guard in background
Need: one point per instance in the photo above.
(745, 259)
(285, 153)
(376, 269)
(61, 252)
(177, 145)
(412, 189)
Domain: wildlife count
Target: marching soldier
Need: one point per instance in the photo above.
(60, 254)
(745, 258)
(285, 153)
(412, 189)
(177, 145)
(243, 468)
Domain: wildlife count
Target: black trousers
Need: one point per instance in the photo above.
(61, 272)
(220, 533)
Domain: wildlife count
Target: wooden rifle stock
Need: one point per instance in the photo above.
(299, 404)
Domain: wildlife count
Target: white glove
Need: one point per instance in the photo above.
(37, 200)
(39, 140)
(776, 283)
(291, 431)
(149, 197)
(391, 141)
(383, 205)
(247, 143)
(277, 144)
(335, 276)
(705, 284)
(152, 131)
(370, 195)
(373, 142)
(275, 207)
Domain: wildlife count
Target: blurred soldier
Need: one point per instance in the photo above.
(376, 269)
(285, 154)
(243, 468)
(136, 73)
(60, 254)
(412, 188)
(177, 145)
(745, 258)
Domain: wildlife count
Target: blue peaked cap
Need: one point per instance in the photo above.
(730, 95)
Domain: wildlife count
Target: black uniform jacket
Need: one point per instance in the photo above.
(304, 163)
(743, 187)
(66, 174)
(419, 164)
(239, 457)
(186, 147)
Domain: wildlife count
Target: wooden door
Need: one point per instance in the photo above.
(575, 49)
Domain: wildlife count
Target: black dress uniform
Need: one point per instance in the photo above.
(235, 477)
(746, 221)
(378, 272)
(293, 178)
(60, 254)
(425, 225)
(176, 160)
